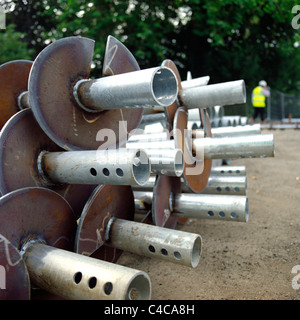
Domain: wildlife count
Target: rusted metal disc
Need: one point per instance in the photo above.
(55, 72)
(37, 213)
(13, 82)
(165, 188)
(196, 171)
(14, 277)
(21, 142)
(170, 111)
(105, 202)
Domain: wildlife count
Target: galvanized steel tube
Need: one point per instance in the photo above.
(169, 162)
(23, 100)
(164, 158)
(227, 93)
(149, 137)
(147, 145)
(114, 167)
(237, 131)
(234, 185)
(78, 277)
(142, 201)
(236, 147)
(148, 186)
(228, 171)
(143, 88)
(220, 207)
(153, 241)
(196, 82)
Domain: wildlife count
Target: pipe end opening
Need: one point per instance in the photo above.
(141, 167)
(164, 86)
(139, 288)
(196, 251)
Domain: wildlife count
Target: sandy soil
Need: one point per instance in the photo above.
(243, 261)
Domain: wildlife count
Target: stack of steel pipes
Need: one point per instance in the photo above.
(84, 176)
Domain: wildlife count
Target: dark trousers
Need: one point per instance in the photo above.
(259, 112)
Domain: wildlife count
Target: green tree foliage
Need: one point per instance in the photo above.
(12, 47)
(227, 40)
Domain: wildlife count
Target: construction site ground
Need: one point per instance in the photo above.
(243, 261)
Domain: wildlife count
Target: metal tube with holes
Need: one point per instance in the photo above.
(152, 241)
(220, 207)
(78, 277)
(227, 93)
(115, 166)
(228, 171)
(164, 158)
(142, 88)
(228, 185)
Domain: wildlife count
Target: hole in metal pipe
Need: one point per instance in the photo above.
(177, 255)
(77, 277)
(164, 252)
(210, 213)
(92, 282)
(108, 288)
(233, 215)
(164, 87)
(106, 172)
(139, 288)
(151, 248)
(141, 172)
(119, 172)
(222, 214)
(93, 172)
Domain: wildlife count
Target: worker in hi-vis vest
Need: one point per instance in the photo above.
(259, 95)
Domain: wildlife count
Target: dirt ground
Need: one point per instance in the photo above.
(243, 261)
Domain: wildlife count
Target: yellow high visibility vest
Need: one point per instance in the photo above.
(258, 99)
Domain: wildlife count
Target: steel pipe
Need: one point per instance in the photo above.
(152, 241)
(142, 201)
(228, 171)
(235, 147)
(154, 122)
(227, 93)
(148, 186)
(196, 82)
(235, 185)
(230, 131)
(78, 277)
(220, 207)
(149, 137)
(163, 156)
(23, 100)
(201, 206)
(116, 166)
(169, 162)
(142, 88)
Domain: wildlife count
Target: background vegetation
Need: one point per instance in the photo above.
(227, 40)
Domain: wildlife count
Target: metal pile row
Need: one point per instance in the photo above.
(92, 168)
